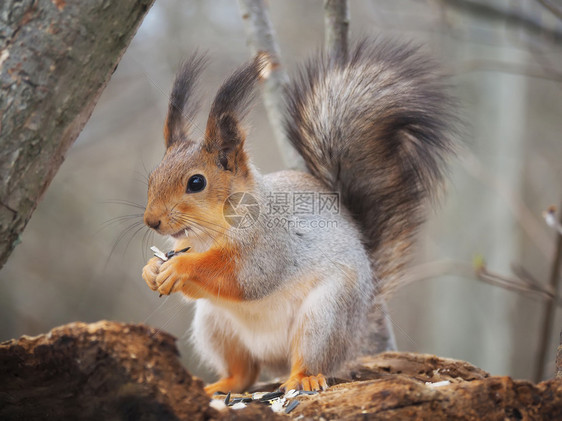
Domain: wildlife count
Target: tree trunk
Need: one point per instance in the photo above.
(56, 57)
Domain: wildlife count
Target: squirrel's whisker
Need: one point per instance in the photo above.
(120, 219)
(203, 220)
(125, 203)
(135, 225)
(201, 223)
(197, 234)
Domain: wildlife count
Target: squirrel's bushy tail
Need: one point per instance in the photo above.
(376, 127)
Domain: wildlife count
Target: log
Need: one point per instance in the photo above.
(56, 57)
(99, 371)
(403, 398)
(116, 371)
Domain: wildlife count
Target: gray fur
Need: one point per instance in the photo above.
(278, 259)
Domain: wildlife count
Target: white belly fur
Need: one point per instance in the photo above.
(263, 326)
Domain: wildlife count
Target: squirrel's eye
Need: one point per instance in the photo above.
(196, 183)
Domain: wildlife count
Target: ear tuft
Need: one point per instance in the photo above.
(183, 105)
(265, 63)
(224, 133)
(229, 131)
(237, 92)
(232, 139)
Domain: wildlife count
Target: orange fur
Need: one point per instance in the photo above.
(215, 271)
(301, 379)
(166, 132)
(167, 192)
(197, 275)
(242, 370)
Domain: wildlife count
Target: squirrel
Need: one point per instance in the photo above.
(284, 268)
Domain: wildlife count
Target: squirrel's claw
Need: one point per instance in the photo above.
(306, 383)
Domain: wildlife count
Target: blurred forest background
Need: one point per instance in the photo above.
(79, 261)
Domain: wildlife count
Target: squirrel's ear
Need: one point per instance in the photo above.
(183, 105)
(224, 134)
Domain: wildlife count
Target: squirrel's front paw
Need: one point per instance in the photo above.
(150, 272)
(170, 277)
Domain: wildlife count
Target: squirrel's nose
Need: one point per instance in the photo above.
(152, 223)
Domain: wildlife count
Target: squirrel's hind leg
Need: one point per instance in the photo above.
(218, 345)
(328, 327)
(241, 369)
(241, 376)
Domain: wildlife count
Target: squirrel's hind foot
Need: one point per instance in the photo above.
(225, 385)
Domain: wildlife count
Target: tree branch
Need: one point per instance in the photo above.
(336, 28)
(515, 203)
(522, 283)
(261, 38)
(553, 8)
(55, 59)
(550, 310)
(522, 69)
(489, 11)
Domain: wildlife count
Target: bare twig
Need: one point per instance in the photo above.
(550, 219)
(553, 8)
(336, 28)
(261, 38)
(524, 275)
(521, 284)
(513, 200)
(550, 309)
(516, 284)
(496, 12)
(523, 69)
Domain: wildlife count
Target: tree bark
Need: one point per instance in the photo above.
(56, 57)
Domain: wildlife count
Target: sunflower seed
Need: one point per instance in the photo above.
(159, 253)
(291, 406)
(271, 396)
